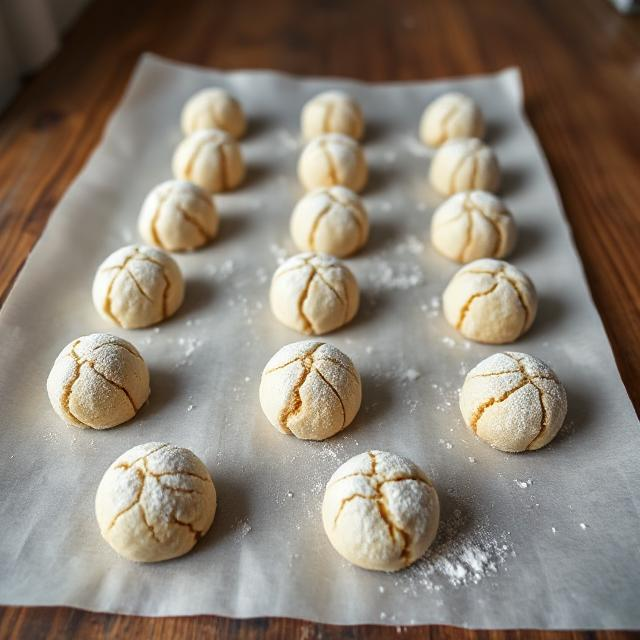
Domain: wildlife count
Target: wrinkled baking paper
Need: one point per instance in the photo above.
(544, 539)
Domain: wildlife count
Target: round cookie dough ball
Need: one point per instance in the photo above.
(178, 216)
(331, 220)
(138, 286)
(213, 109)
(490, 301)
(472, 225)
(452, 115)
(310, 390)
(463, 164)
(332, 112)
(155, 502)
(380, 511)
(98, 381)
(513, 401)
(314, 293)
(332, 159)
(211, 159)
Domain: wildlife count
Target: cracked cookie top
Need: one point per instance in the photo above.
(332, 112)
(380, 511)
(213, 108)
(473, 225)
(178, 216)
(463, 164)
(155, 502)
(311, 390)
(333, 159)
(452, 115)
(98, 381)
(513, 401)
(490, 301)
(314, 293)
(330, 220)
(211, 159)
(138, 286)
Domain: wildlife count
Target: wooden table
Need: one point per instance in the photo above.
(581, 68)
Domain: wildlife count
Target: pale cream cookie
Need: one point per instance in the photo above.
(380, 511)
(178, 216)
(452, 115)
(513, 401)
(463, 164)
(155, 502)
(490, 301)
(332, 112)
(314, 293)
(211, 159)
(213, 109)
(330, 220)
(98, 381)
(333, 159)
(311, 390)
(472, 225)
(138, 286)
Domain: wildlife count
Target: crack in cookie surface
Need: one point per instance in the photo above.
(142, 472)
(375, 482)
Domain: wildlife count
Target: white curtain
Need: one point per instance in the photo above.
(29, 35)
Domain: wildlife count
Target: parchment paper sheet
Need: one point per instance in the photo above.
(545, 539)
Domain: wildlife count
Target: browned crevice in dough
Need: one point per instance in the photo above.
(152, 531)
(530, 380)
(295, 401)
(482, 272)
(474, 171)
(307, 325)
(339, 364)
(222, 157)
(197, 533)
(331, 167)
(136, 255)
(68, 387)
(357, 213)
(162, 198)
(344, 413)
(394, 529)
(111, 382)
(467, 304)
(217, 122)
(444, 124)
(326, 122)
(192, 158)
(477, 414)
(175, 473)
(311, 240)
(194, 221)
(177, 489)
(516, 288)
(140, 475)
(128, 465)
(543, 415)
(118, 344)
(456, 170)
(318, 273)
(469, 234)
(346, 501)
(138, 285)
(496, 373)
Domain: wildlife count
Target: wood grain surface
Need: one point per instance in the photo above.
(581, 68)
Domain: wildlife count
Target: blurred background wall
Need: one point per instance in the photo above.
(30, 32)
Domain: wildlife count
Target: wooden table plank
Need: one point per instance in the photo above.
(580, 66)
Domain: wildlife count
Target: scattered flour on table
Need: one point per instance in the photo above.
(524, 484)
(241, 528)
(457, 558)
